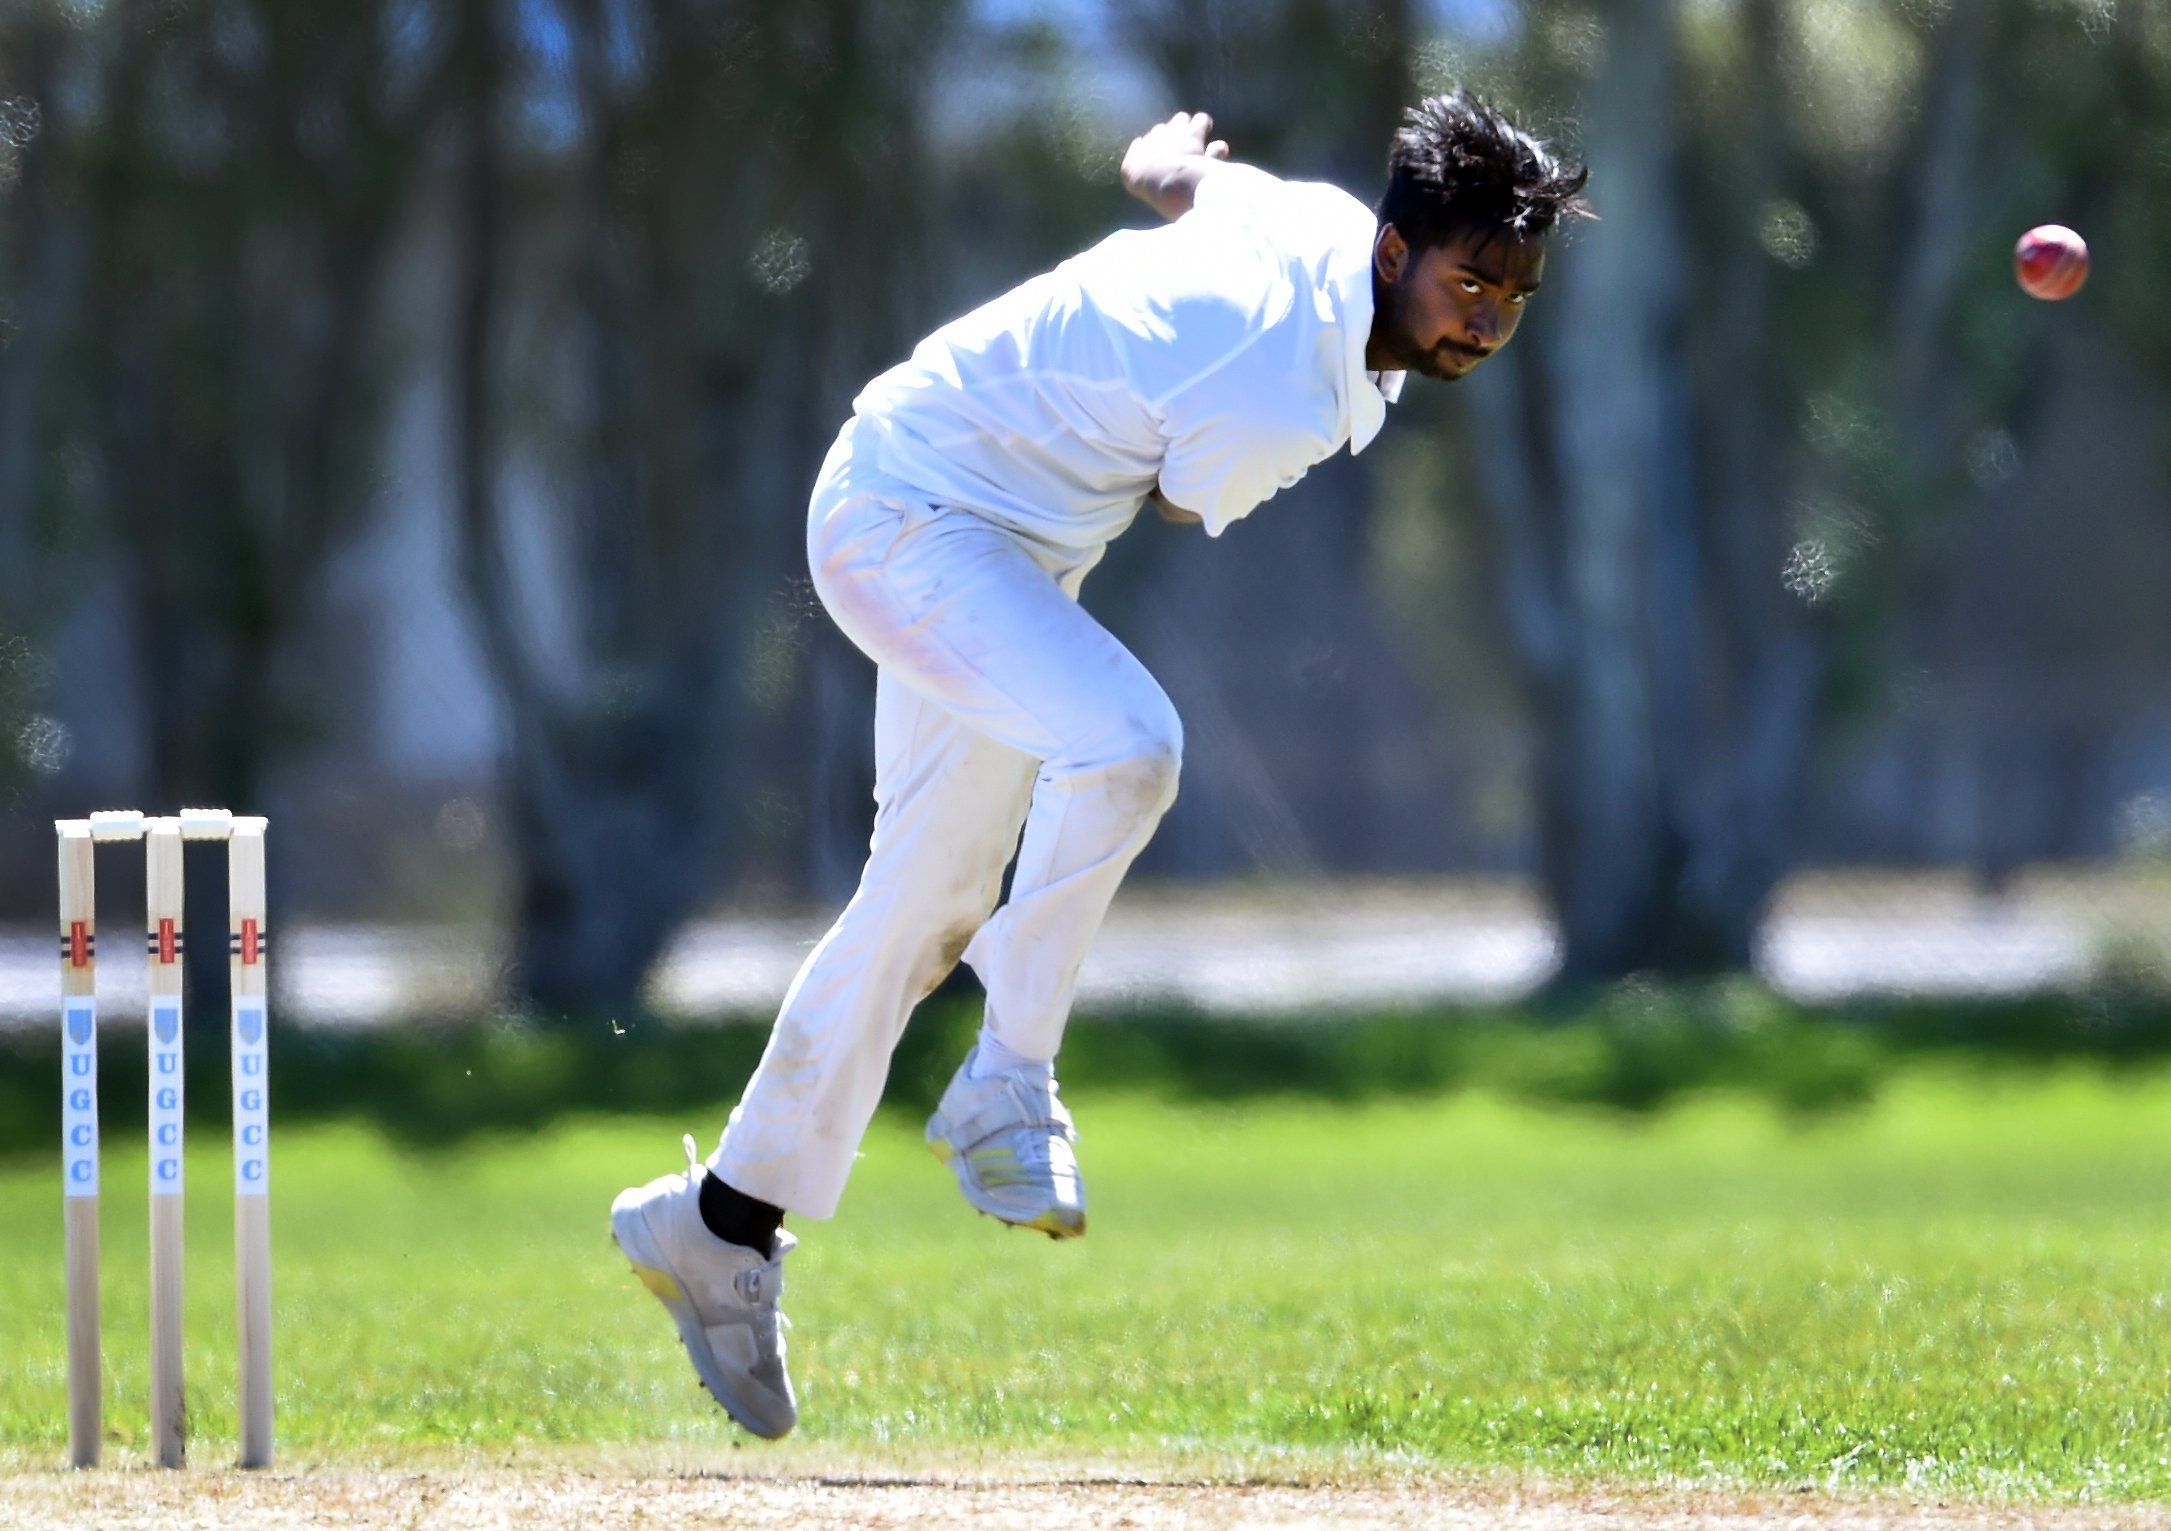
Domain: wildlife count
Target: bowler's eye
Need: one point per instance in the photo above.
(1471, 285)
(1518, 299)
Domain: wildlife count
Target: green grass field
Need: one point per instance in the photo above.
(1963, 1287)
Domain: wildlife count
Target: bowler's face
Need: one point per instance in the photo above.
(1446, 310)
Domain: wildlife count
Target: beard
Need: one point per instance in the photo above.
(1444, 362)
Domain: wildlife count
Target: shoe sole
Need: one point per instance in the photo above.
(1056, 1222)
(664, 1287)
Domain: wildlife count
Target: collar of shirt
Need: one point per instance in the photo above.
(1366, 392)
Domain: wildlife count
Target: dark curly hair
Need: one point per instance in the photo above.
(1457, 163)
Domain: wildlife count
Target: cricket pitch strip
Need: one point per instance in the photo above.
(746, 1496)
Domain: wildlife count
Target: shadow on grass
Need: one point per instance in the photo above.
(1632, 1048)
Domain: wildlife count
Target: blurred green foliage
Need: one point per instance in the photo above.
(1637, 1048)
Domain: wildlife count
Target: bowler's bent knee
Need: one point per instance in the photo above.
(1142, 773)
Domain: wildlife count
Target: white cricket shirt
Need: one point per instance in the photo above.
(1219, 356)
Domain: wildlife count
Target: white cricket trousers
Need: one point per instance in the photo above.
(998, 703)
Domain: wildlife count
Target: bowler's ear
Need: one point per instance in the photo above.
(1390, 253)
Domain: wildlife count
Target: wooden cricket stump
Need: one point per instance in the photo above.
(166, 946)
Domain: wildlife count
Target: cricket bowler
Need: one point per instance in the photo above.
(1199, 367)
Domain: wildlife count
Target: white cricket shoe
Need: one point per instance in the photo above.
(1010, 1143)
(722, 1297)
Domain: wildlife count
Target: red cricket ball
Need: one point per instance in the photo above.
(2050, 262)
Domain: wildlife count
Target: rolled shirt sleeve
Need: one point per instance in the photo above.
(1235, 189)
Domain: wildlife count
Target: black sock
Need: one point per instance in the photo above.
(738, 1218)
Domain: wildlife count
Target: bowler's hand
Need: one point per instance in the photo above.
(1163, 165)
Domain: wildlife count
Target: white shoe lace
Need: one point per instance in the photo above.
(1033, 1146)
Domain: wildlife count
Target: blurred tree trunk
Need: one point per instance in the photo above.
(41, 256)
(235, 184)
(739, 199)
(1667, 596)
(199, 203)
(1586, 479)
(1761, 654)
(615, 830)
